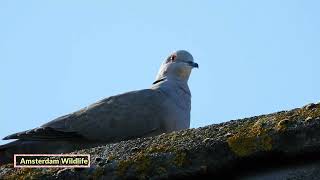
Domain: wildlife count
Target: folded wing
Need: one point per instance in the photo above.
(121, 117)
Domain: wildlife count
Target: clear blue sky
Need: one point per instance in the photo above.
(255, 57)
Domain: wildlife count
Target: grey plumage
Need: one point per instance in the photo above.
(164, 107)
(105, 120)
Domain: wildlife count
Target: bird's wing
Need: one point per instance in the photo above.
(128, 115)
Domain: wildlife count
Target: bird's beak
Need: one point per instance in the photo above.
(193, 64)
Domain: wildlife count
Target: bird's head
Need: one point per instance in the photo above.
(177, 66)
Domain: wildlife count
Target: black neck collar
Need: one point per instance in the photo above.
(159, 80)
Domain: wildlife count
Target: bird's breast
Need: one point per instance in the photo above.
(176, 118)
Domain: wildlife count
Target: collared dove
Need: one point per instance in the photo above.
(163, 108)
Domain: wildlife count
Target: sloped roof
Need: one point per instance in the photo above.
(266, 143)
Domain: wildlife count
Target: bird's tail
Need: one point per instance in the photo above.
(6, 155)
(7, 151)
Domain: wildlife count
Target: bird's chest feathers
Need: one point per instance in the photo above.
(178, 94)
(176, 117)
(177, 105)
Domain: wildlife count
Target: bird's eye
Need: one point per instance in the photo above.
(173, 57)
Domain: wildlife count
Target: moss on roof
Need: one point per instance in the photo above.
(208, 149)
